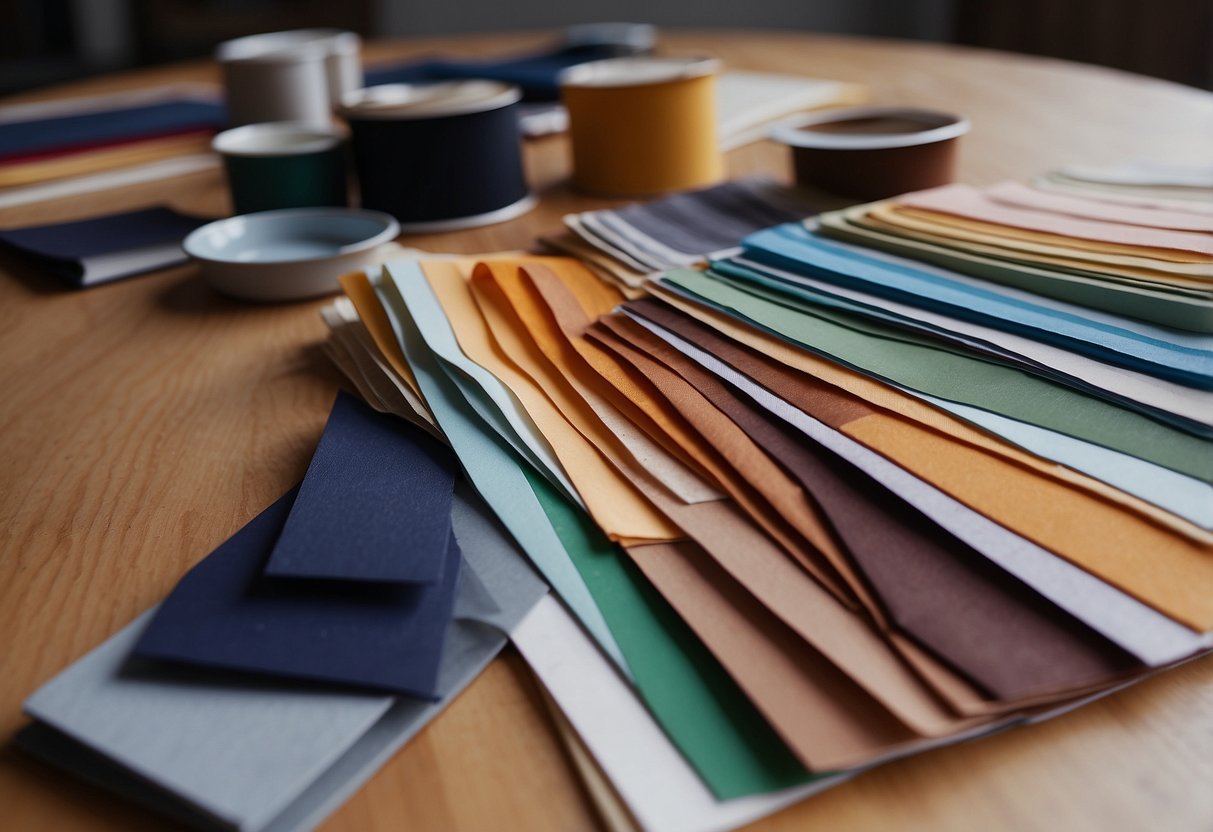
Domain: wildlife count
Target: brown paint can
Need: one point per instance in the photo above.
(872, 153)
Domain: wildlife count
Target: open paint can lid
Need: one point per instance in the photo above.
(420, 101)
(637, 71)
(870, 128)
(291, 45)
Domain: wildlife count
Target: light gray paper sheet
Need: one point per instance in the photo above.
(227, 753)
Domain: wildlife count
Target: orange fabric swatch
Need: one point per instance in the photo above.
(1172, 573)
(358, 288)
(488, 338)
(826, 719)
(623, 439)
(888, 399)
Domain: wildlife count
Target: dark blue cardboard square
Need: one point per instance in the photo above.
(375, 504)
(226, 614)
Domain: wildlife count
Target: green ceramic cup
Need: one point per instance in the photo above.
(283, 165)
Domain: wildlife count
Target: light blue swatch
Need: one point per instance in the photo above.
(1189, 361)
(489, 464)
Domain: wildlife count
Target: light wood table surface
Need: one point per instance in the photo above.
(142, 423)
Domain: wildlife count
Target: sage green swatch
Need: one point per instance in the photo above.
(914, 363)
(697, 703)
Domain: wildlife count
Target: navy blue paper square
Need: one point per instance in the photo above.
(374, 506)
(225, 613)
(115, 125)
(104, 248)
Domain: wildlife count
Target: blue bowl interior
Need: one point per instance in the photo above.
(285, 236)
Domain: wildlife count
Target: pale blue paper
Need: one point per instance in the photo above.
(1184, 407)
(491, 399)
(1177, 493)
(489, 465)
(1189, 361)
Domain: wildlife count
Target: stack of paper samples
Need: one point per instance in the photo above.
(876, 506)
(626, 246)
(808, 508)
(92, 143)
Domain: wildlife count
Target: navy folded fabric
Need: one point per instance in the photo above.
(106, 248)
(226, 614)
(375, 504)
(537, 75)
(63, 132)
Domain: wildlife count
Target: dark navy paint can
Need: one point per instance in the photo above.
(441, 156)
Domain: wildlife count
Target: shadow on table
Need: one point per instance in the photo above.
(35, 280)
(194, 296)
(314, 362)
(190, 295)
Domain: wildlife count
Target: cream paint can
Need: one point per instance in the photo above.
(298, 75)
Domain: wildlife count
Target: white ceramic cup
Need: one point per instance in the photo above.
(344, 64)
(295, 76)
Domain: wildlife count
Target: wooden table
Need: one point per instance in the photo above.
(142, 423)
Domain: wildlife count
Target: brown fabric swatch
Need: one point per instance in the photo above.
(987, 624)
(729, 447)
(825, 718)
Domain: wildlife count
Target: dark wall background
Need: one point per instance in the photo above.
(45, 41)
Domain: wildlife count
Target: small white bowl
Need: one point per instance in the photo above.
(291, 254)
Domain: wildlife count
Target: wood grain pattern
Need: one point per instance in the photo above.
(142, 422)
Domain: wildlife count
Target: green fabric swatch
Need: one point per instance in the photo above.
(912, 362)
(698, 705)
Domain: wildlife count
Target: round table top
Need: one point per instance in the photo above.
(143, 422)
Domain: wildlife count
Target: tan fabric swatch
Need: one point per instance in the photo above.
(825, 718)
(749, 460)
(355, 353)
(1151, 273)
(967, 207)
(487, 337)
(1044, 244)
(731, 448)
(358, 288)
(628, 440)
(625, 278)
(846, 638)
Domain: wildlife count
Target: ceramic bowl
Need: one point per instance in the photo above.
(291, 254)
